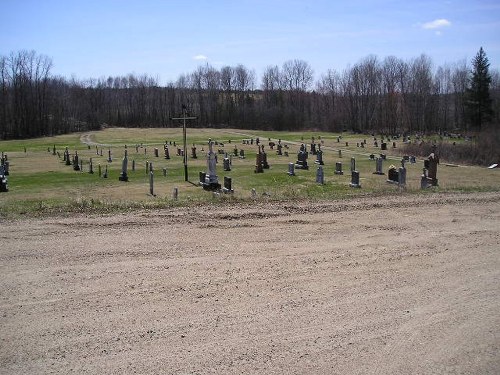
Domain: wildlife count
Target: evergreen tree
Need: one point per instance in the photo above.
(478, 101)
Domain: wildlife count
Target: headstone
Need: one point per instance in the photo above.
(151, 183)
(402, 177)
(156, 152)
(193, 152)
(338, 168)
(375, 144)
(133, 165)
(353, 164)
(340, 153)
(4, 186)
(228, 189)
(265, 165)
(175, 193)
(167, 153)
(226, 164)
(147, 167)
(123, 175)
(383, 146)
(54, 150)
(164, 172)
(109, 156)
(320, 176)
(291, 169)
(211, 181)
(76, 162)
(313, 148)
(242, 154)
(355, 179)
(432, 163)
(279, 149)
(393, 144)
(235, 151)
(425, 181)
(301, 162)
(258, 162)
(99, 169)
(413, 159)
(378, 166)
(393, 175)
(319, 157)
(105, 175)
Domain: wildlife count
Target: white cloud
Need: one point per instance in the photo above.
(200, 57)
(436, 24)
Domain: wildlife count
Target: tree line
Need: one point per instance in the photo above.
(387, 96)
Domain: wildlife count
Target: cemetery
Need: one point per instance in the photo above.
(39, 173)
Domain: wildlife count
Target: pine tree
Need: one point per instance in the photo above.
(478, 101)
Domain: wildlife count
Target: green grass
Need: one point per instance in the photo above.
(40, 183)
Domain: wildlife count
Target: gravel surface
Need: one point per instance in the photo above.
(400, 285)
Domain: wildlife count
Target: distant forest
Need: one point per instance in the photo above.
(385, 96)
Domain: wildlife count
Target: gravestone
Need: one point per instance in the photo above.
(109, 156)
(54, 150)
(378, 166)
(175, 193)
(355, 180)
(340, 153)
(425, 181)
(151, 183)
(291, 169)
(193, 152)
(413, 159)
(319, 157)
(67, 159)
(242, 154)
(301, 162)
(123, 175)
(383, 146)
(313, 148)
(105, 175)
(353, 164)
(211, 181)
(226, 164)
(156, 152)
(167, 153)
(375, 144)
(279, 149)
(402, 177)
(76, 162)
(320, 176)
(258, 162)
(431, 164)
(227, 189)
(133, 165)
(164, 172)
(338, 168)
(4, 186)
(235, 151)
(393, 175)
(265, 165)
(99, 170)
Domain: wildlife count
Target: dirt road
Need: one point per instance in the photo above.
(401, 285)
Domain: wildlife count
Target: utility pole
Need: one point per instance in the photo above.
(184, 118)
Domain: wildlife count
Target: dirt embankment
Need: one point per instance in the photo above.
(401, 285)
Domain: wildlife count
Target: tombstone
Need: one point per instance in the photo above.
(393, 175)
(211, 181)
(402, 177)
(378, 166)
(301, 162)
(235, 151)
(6, 165)
(375, 144)
(164, 172)
(151, 183)
(123, 175)
(372, 157)
(432, 163)
(425, 181)
(279, 149)
(145, 150)
(226, 164)
(167, 153)
(242, 154)
(105, 175)
(271, 145)
(338, 168)
(136, 149)
(383, 146)
(347, 144)
(227, 189)
(258, 162)
(393, 144)
(81, 165)
(291, 169)
(353, 164)
(54, 150)
(357, 144)
(413, 159)
(286, 153)
(151, 166)
(4, 187)
(175, 193)
(340, 153)
(109, 156)
(320, 176)
(101, 152)
(338, 139)
(68, 161)
(133, 165)
(96, 151)
(99, 169)
(319, 157)
(355, 179)
(362, 145)
(313, 148)
(265, 165)
(193, 152)
(383, 156)
(76, 162)
(156, 152)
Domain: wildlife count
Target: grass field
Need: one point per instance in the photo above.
(40, 182)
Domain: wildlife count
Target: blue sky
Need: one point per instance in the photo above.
(100, 38)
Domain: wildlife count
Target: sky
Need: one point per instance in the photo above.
(165, 39)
